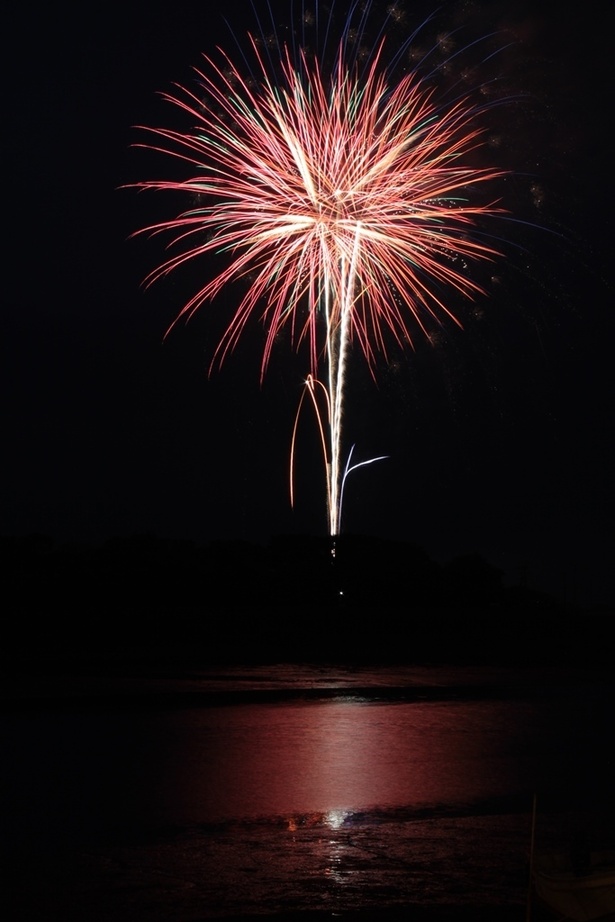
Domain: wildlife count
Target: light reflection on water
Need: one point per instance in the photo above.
(327, 757)
(292, 804)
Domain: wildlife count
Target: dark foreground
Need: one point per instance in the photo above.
(411, 914)
(513, 913)
(95, 886)
(83, 892)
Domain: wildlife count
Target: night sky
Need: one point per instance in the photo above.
(500, 437)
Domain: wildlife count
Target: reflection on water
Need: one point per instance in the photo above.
(335, 756)
(336, 803)
(333, 819)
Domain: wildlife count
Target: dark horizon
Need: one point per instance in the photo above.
(141, 602)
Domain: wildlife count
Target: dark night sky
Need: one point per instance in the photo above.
(500, 437)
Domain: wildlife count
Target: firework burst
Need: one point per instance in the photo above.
(348, 202)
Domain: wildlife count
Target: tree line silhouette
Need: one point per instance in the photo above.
(298, 598)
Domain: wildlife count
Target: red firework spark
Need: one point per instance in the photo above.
(347, 202)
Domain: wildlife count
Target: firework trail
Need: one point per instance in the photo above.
(346, 200)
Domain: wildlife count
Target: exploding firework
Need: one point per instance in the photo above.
(345, 200)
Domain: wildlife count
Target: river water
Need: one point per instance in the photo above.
(220, 793)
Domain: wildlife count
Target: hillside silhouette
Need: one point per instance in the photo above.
(295, 599)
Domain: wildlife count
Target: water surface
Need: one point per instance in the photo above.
(173, 796)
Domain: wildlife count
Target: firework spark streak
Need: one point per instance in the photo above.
(343, 198)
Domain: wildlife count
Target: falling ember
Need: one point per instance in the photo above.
(345, 198)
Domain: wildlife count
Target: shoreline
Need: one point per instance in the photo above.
(150, 684)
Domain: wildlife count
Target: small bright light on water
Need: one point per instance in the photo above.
(335, 818)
